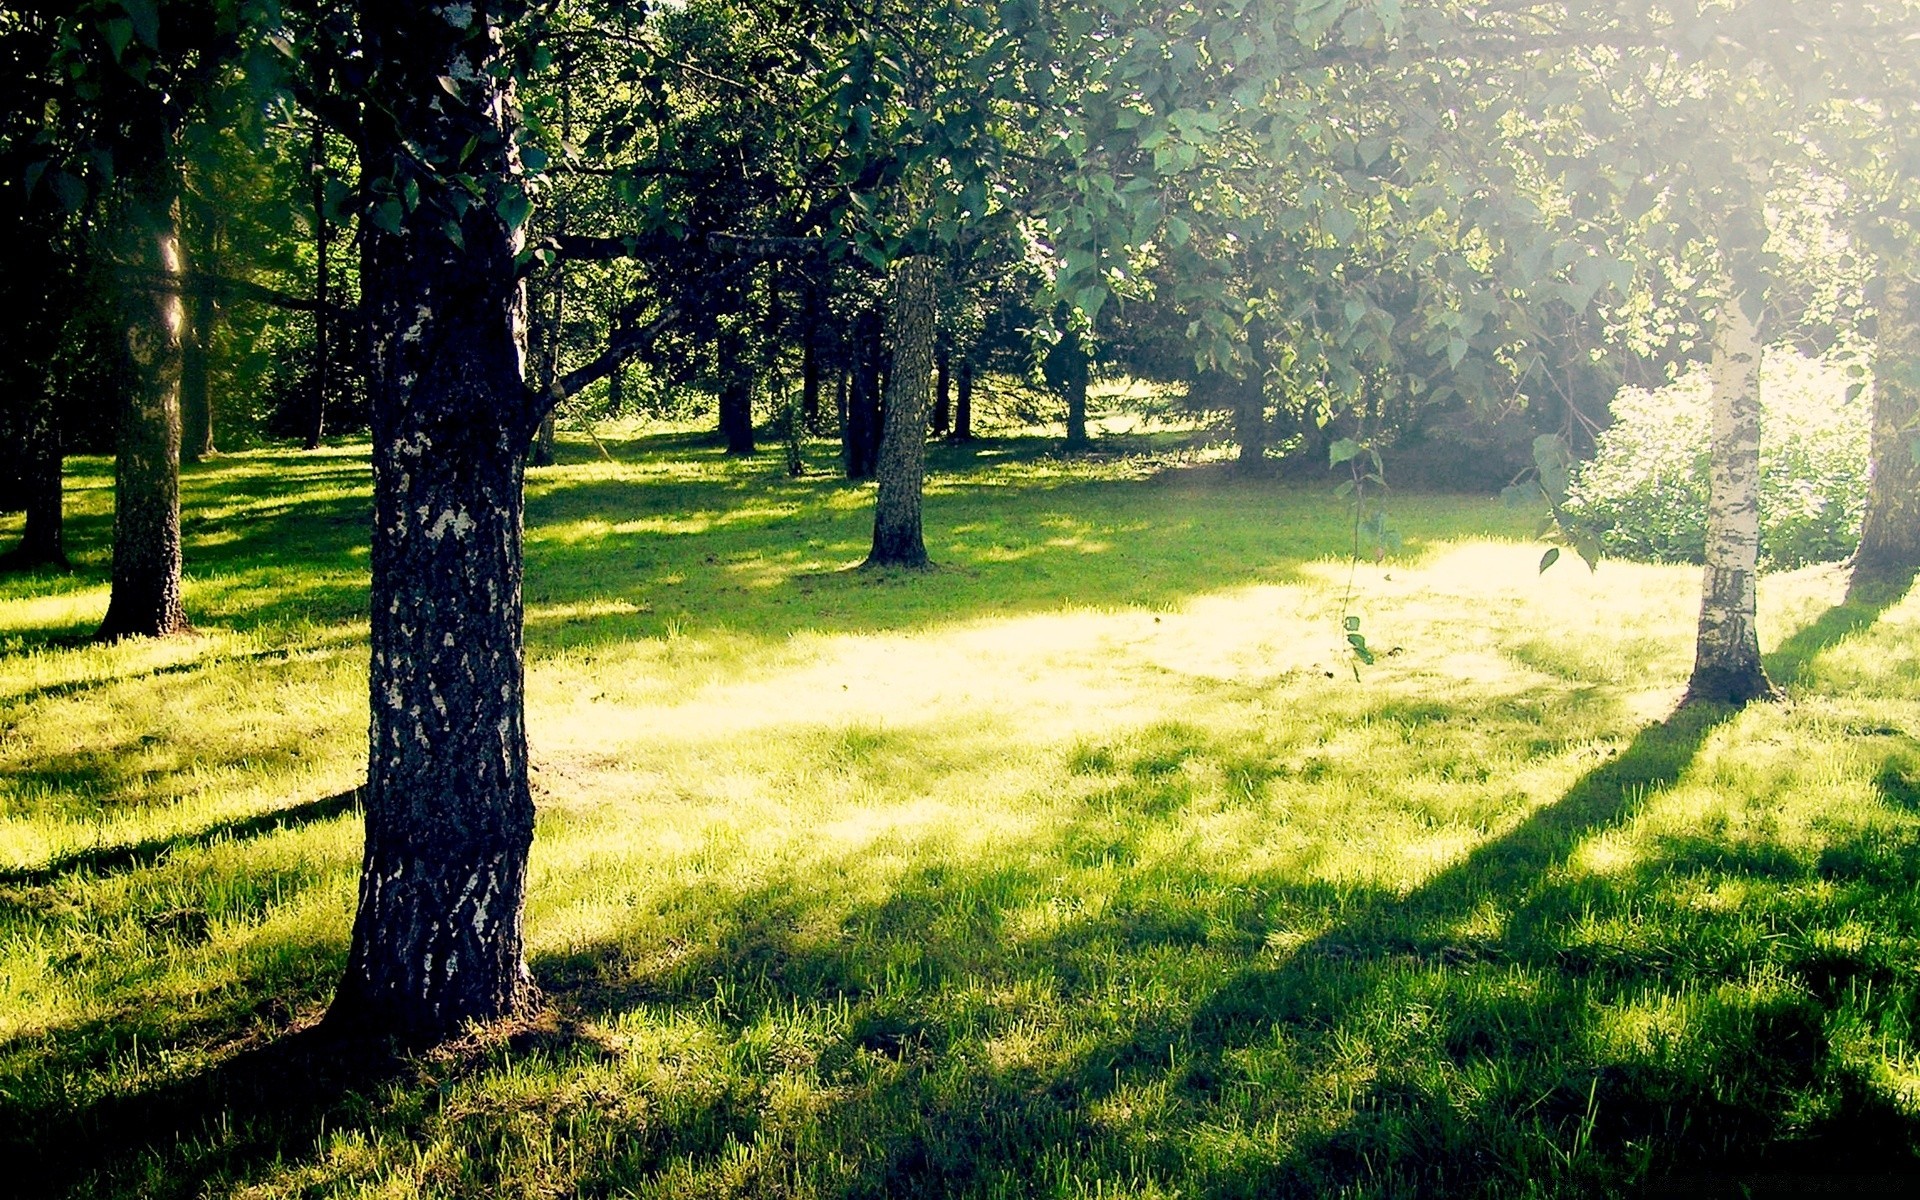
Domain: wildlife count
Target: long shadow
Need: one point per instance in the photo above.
(284, 1090)
(1419, 929)
(106, 860)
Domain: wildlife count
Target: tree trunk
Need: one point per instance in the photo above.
(196, 381)
(861, 431)
(963, 402)
(840, 403)
(736, 391)
(1250, 428)
(1889, 553)
(810, 359)
(902, 465)
(146, 599)
(942, 387)
(617, 391)
(42, 542)
(437, 940)
(322, 345)
(541, 455)
(1727, 667)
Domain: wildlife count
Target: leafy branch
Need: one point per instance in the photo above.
(1364, 469)
(1548, 480)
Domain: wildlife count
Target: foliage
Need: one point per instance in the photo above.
(1646, 488)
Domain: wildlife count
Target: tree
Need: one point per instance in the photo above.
(1889, 552)
(901, 468)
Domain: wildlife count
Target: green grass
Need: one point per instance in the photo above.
(1082, 866)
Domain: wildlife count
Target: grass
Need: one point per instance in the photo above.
(1082, 866)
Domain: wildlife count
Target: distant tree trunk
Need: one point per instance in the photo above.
(810, 358)
(617, 391)
(42, 542)
(1250, 427)
(861, 430)
(1066, 368)
(146, 598)
(840, 403)
(549, 366)
(902, 466)
(1889, 552)
(437, 939)
(322, 347)
(196, 381)
(963, 402)
(942, 386)
(1727, 667)
(736, 391)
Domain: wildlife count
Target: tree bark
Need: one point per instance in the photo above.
(810, 357)
(146, 599)
(1073, 368)
(942, 387)
(902, 466)
(1889, 553)
(963, 402)
(1250, 427)
(43, 541)
(1727, 667)
(861, 431)
(736, 391)
(437, 940)
(196, 379)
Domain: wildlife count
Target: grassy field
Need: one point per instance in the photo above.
(1082, 866)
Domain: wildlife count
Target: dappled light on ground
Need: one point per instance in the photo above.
(1083, 865)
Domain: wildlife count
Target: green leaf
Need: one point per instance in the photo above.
(1344, 490)
(1352, 624)
(513, 208)
(1551, 557)
(386, 215)
(118, 34)
(144, 15)
(1344, 450)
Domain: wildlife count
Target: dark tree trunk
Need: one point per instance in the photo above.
(861, 433)
(942, 387)
(146, 599)
(963, 402)
(541, 454)
(1066, 370)
(810, 358)
(42, 542)
(840, 403)
(322, 345)
(437, 940)
(902, 465)
(1250, 427)
(1889, 553)
(736, 391)
(617, 391)
(196, 381)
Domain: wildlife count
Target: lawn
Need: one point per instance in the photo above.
(1081, 866)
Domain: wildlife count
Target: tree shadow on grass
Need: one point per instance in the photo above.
(257, 1104)
(110, 860)
(1648, 1118)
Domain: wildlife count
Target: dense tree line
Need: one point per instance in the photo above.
(1337, 224)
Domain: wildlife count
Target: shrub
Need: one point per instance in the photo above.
(1645, 490)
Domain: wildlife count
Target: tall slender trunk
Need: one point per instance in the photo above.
(736, 391)
(43, 541)
(196, 361)
(146, 599)
(902, 466)
(942, 386)
(861, 431)
(437, 940)
(840, 401)
(810, 356)
(1727, 667)
(1069, 369)
(963, 402)
(322, 345)
(1889, 553)
(1250, 428)
(617, 391)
